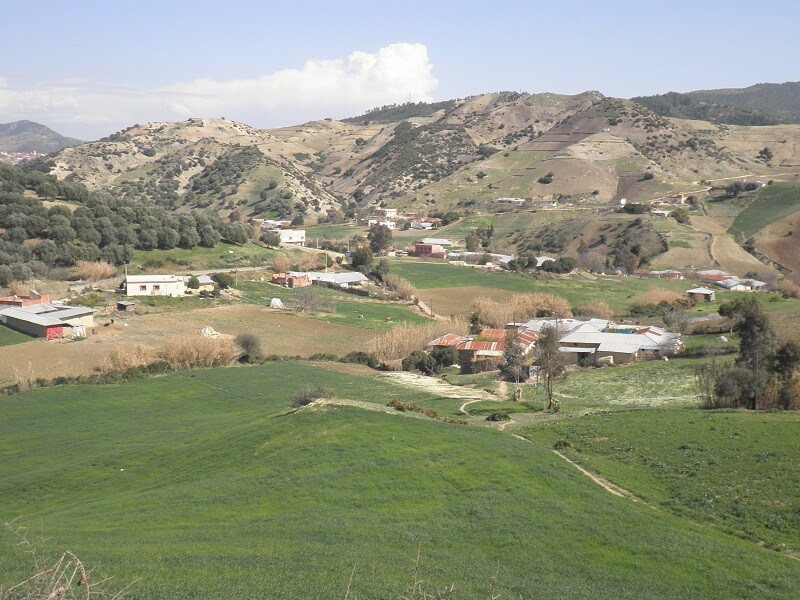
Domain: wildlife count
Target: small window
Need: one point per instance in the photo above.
(156, 288)
(142, 288)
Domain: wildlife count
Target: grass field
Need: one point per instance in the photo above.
(201, 484)
(736, 470)
(222, 256)
(342, 308)
(770, 204)
(9, 337)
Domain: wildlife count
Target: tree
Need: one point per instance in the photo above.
(194, 283)
(271, 239)
(472, 242)
(756, 342)
(421, 361)
(787, 359)
(381, 270)
(444, 357)
(676, 319)
(550, 361)
(379, 236)
(514, 357)
(681, 215)
(361, 258)
(281, 263)
(250, 345)
(224, 280)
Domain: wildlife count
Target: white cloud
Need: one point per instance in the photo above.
(321, 88)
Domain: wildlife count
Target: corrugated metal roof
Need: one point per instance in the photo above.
(153, 278)
(29, 317)
(447, 340)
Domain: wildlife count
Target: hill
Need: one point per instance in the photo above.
(27, 136)
(206, 484)
(760, 104)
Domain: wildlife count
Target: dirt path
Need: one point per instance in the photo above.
(729, 255)
(438, 387)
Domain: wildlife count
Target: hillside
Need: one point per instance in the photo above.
(27, 136)
(207, 484)
(760, 104)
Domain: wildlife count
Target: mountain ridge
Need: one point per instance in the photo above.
(29, 136)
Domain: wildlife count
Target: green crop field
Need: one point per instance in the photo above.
(736, 470)
(203, 484)
(8, 336)
(771, 204)
(337, 307)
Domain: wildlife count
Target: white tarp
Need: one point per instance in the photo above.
(209, 332)
(276, 303)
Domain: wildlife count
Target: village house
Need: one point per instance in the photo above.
(369, 222)
(660, 213)
(344, 280)
(424, 250)
(516, 201)
(599, 340)
(485, 351)
(49, 321)
(389, 213)
(291, 280)
(291, 237)
(206, 283)
(701, 294)
(154, 285)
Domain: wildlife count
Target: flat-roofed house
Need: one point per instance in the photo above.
(702, 294)
(154, 285)
(49, 321)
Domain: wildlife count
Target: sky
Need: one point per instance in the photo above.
(88, 69)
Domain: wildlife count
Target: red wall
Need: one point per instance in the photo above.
(54, 333)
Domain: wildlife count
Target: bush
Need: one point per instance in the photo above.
(421, 361)
(361, 358)
(547, 179)
(308, 394)
(323, 356)
(270, 238)
(403, 340)
(251, 347)
(91, 300)
(444, 357)
(498, 416)
(94, 271)
(223, 280)
(194, 283)
(596, 310)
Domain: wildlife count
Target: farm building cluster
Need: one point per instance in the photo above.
(35, 315)
(174, 286)
(585, 342)
(732, 283)
(344, 280)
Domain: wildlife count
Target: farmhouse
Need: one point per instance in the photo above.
(595, 339)
(291, 280)
(511, 201)
(291, 237)
(424, 250)
(206, 283)
(389, 213)
(154, 285)
(419, 224)
(484, 352)
(49, 321)
(702, 294)
(346, 280)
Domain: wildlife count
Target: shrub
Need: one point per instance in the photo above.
(308, 394)
(250, 346)
(444, 357)
(597, 309)
(361, 358)
(562, 444)
(94, 271)
(498, 416)
(198, 352)
(194, 283)
(270, 238)
(323, 356)
(223, 280)
(403, 288)
(659, 297)
(421, 361)
(91, 300)
(412, 407)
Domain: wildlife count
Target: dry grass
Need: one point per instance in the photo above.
(309, 262)
(124, 359)
(198, 352)
(402, 341)
(94, 271)
(520, 307)
(402, 287)
(597, 309)
(788, 288)
(19, 288)
(656, 296)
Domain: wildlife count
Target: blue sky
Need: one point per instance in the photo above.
(90, 68)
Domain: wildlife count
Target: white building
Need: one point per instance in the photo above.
(511, 200)
(389, 213)
(291, 237)
(154, 285)
(417, 224)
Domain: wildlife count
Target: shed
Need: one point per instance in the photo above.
(123, 305)
(702, 294)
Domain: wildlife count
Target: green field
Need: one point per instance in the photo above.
(219, 257)
(340, 308)
(735, 470)
(8, 336)
(770, 204)
(201, 484)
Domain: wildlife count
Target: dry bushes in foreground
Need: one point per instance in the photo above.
(520, 307)
(94, 271)
(198, 352)
(124, 359)
(402, 341)
(788, 288)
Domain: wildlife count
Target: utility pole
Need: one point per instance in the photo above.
(755, 397)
